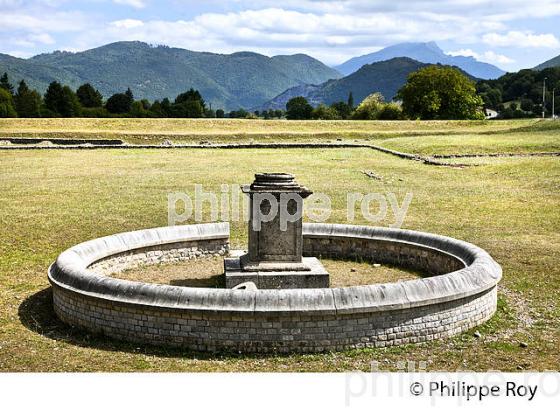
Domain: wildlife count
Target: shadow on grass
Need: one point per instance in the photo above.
(215, 281)
(37, 314)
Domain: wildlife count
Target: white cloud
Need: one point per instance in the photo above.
(43, 38)
(525, 39)
(49, 22)
(493, 57)
(330, 36)
(487, 56)
(138, 4)
(127, 23)
(20, 54)
(497, 10)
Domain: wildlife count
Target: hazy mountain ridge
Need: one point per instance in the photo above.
(428, 53)
(553, 62)
(228, 81)
(385, 77)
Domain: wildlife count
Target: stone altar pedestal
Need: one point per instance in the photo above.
(274, 259)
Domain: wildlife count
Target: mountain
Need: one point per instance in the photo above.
(428, 53)
(385, 77)
(553, 62)
(228, 81)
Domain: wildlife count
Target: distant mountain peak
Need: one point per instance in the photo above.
(432, 45)
(427, 52)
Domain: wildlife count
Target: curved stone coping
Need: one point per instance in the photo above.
(480, 274)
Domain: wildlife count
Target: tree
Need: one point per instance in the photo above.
(241, 113)
(138, 110)
(189, 104)
(437, 92)
(322, 112)
(5, 84)
(157, 110)
(7, 109)
(369, 108)
(350, 102)
(220, 113)
(27, 102)
(71, 105)
(191, 95)
(166, 107)
(62, 100)
(298, 108)
(54, 96)
(89, 97)
(145, 103)
(343, 109)
(188, 109)
(119, 103)
(129, 94)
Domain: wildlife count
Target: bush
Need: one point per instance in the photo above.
(369, 108)
(7, 109)
(138, 110)
(95, 112)
(241, 113)
(390, 111)
(322, 112)
(527, 105)
(188, 109)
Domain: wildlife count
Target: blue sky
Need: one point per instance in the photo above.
(511, 34)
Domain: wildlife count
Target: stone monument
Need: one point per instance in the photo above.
(274, 259)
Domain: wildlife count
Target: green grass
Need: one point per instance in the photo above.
(154, 131)
(513, 143)
(52, 200)
(418, 137)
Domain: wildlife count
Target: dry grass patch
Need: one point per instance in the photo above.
(349, 273)
(198, 273)
(208, 273)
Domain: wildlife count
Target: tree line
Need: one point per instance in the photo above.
(61, 101)
(431, 93)
(520, 95)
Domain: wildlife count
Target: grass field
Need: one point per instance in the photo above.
(417, 137)
(509, 206)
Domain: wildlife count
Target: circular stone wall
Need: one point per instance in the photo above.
(462, 294)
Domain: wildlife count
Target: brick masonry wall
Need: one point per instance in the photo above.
(207, 331)
(153, 255)
(405, 255)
